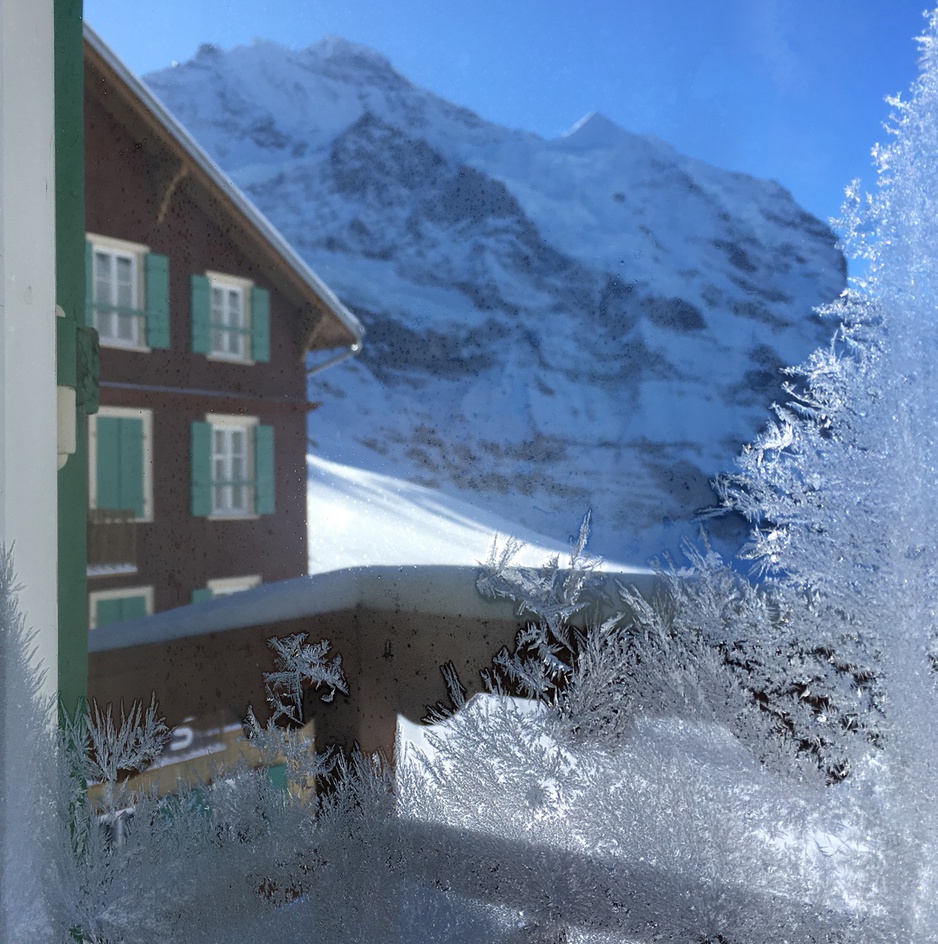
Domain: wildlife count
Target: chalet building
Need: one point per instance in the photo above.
(206, 321)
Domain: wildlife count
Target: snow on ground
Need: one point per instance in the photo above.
(359, 518)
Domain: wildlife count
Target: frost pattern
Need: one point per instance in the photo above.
(299, 665)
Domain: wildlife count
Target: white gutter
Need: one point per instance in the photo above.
(200, 157)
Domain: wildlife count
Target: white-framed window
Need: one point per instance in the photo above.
(120, 461)
(230, 318)
(117, 291)
(233, 477)
(232, 467)
(225, 586)
(231, 322)
(114, 606)
(127, 293)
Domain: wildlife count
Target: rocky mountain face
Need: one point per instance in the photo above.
(591, 322)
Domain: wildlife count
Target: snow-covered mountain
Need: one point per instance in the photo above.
(594, 321)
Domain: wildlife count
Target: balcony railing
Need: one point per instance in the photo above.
(112, 540)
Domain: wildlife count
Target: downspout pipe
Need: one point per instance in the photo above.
(335, 359)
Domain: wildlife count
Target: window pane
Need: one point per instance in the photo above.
(228, 321)
(231, 471)
(235, 314)
(104, 323)
(124, 277)
(115, 286)
(102, 278)
(217, 304)
(125, 327)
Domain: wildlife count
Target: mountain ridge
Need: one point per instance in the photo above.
(593, 320)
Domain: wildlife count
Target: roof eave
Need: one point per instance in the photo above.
(207, 165)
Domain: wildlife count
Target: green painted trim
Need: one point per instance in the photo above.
(88, 373)
(89, 283)
(66, 352)
(70, 295)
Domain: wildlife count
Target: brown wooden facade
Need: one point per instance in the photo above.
(149, 186)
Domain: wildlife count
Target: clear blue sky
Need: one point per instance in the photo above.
(789, 89)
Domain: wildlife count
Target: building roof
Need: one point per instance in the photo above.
(336, 326)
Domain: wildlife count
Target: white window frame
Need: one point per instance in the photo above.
(96, 596)
(119, 412)
(222, 282)
(136, 252)
(225, 586)
(225, 421)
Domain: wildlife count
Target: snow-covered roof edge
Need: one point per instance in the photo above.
(429, 589)
(201, 158)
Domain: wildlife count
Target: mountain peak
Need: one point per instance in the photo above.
(208, 52)
(595, 130)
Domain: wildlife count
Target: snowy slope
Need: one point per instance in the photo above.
(593, 321)
(369, 519)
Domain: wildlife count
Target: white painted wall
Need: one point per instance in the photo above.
(27, 315)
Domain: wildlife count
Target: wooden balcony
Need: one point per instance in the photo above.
(112, 541)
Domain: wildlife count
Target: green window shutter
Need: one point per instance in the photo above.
(277, 775)
(260, 324)
(108, 461)
(89, 284)
(157, 285)
(119, 460)
(120, 608)
(201, 469)
(131, 464)
(201, 315)
(108, 611)
(198, 596)
(134, 607)
(264, 469)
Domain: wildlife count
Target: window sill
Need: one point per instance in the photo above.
(234, 517)
(111, 570)
(123, 345)
(230, 359)
(146, 519)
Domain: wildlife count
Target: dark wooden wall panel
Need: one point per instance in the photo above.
(128, 177)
